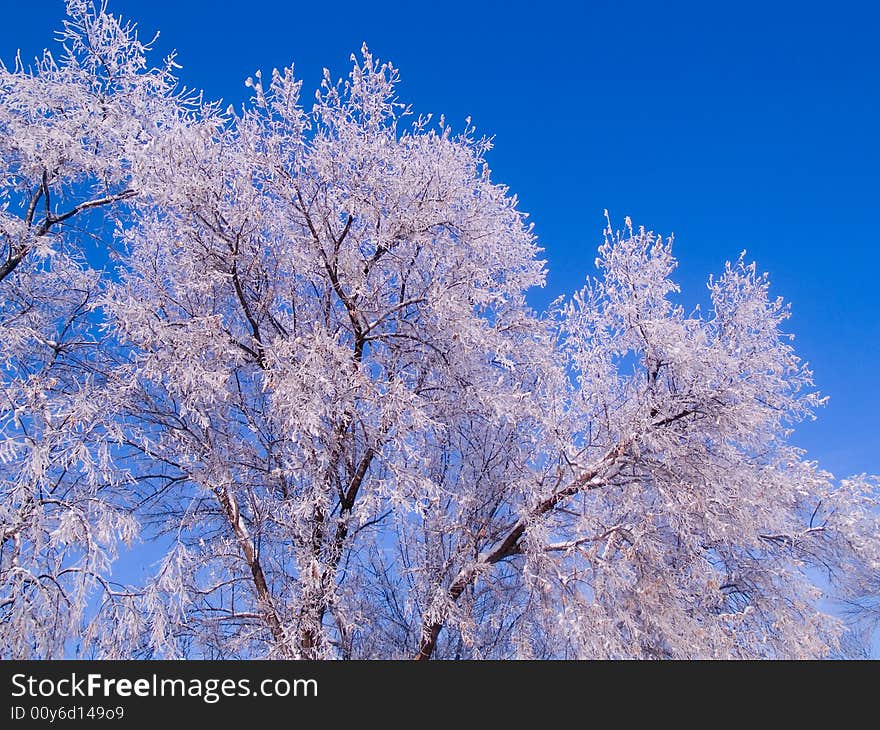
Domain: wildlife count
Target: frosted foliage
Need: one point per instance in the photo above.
(74, 133)
(309, 382)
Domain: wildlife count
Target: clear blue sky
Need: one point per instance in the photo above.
(734, 125)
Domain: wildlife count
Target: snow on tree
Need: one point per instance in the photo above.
(310, 378)
(73, 130)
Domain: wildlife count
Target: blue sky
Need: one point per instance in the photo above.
(735, 126)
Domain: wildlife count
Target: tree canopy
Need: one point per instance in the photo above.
(288, 349)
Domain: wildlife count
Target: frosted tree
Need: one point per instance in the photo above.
(312, 378)
(680, 524)
(72, 132)
(321, 319)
